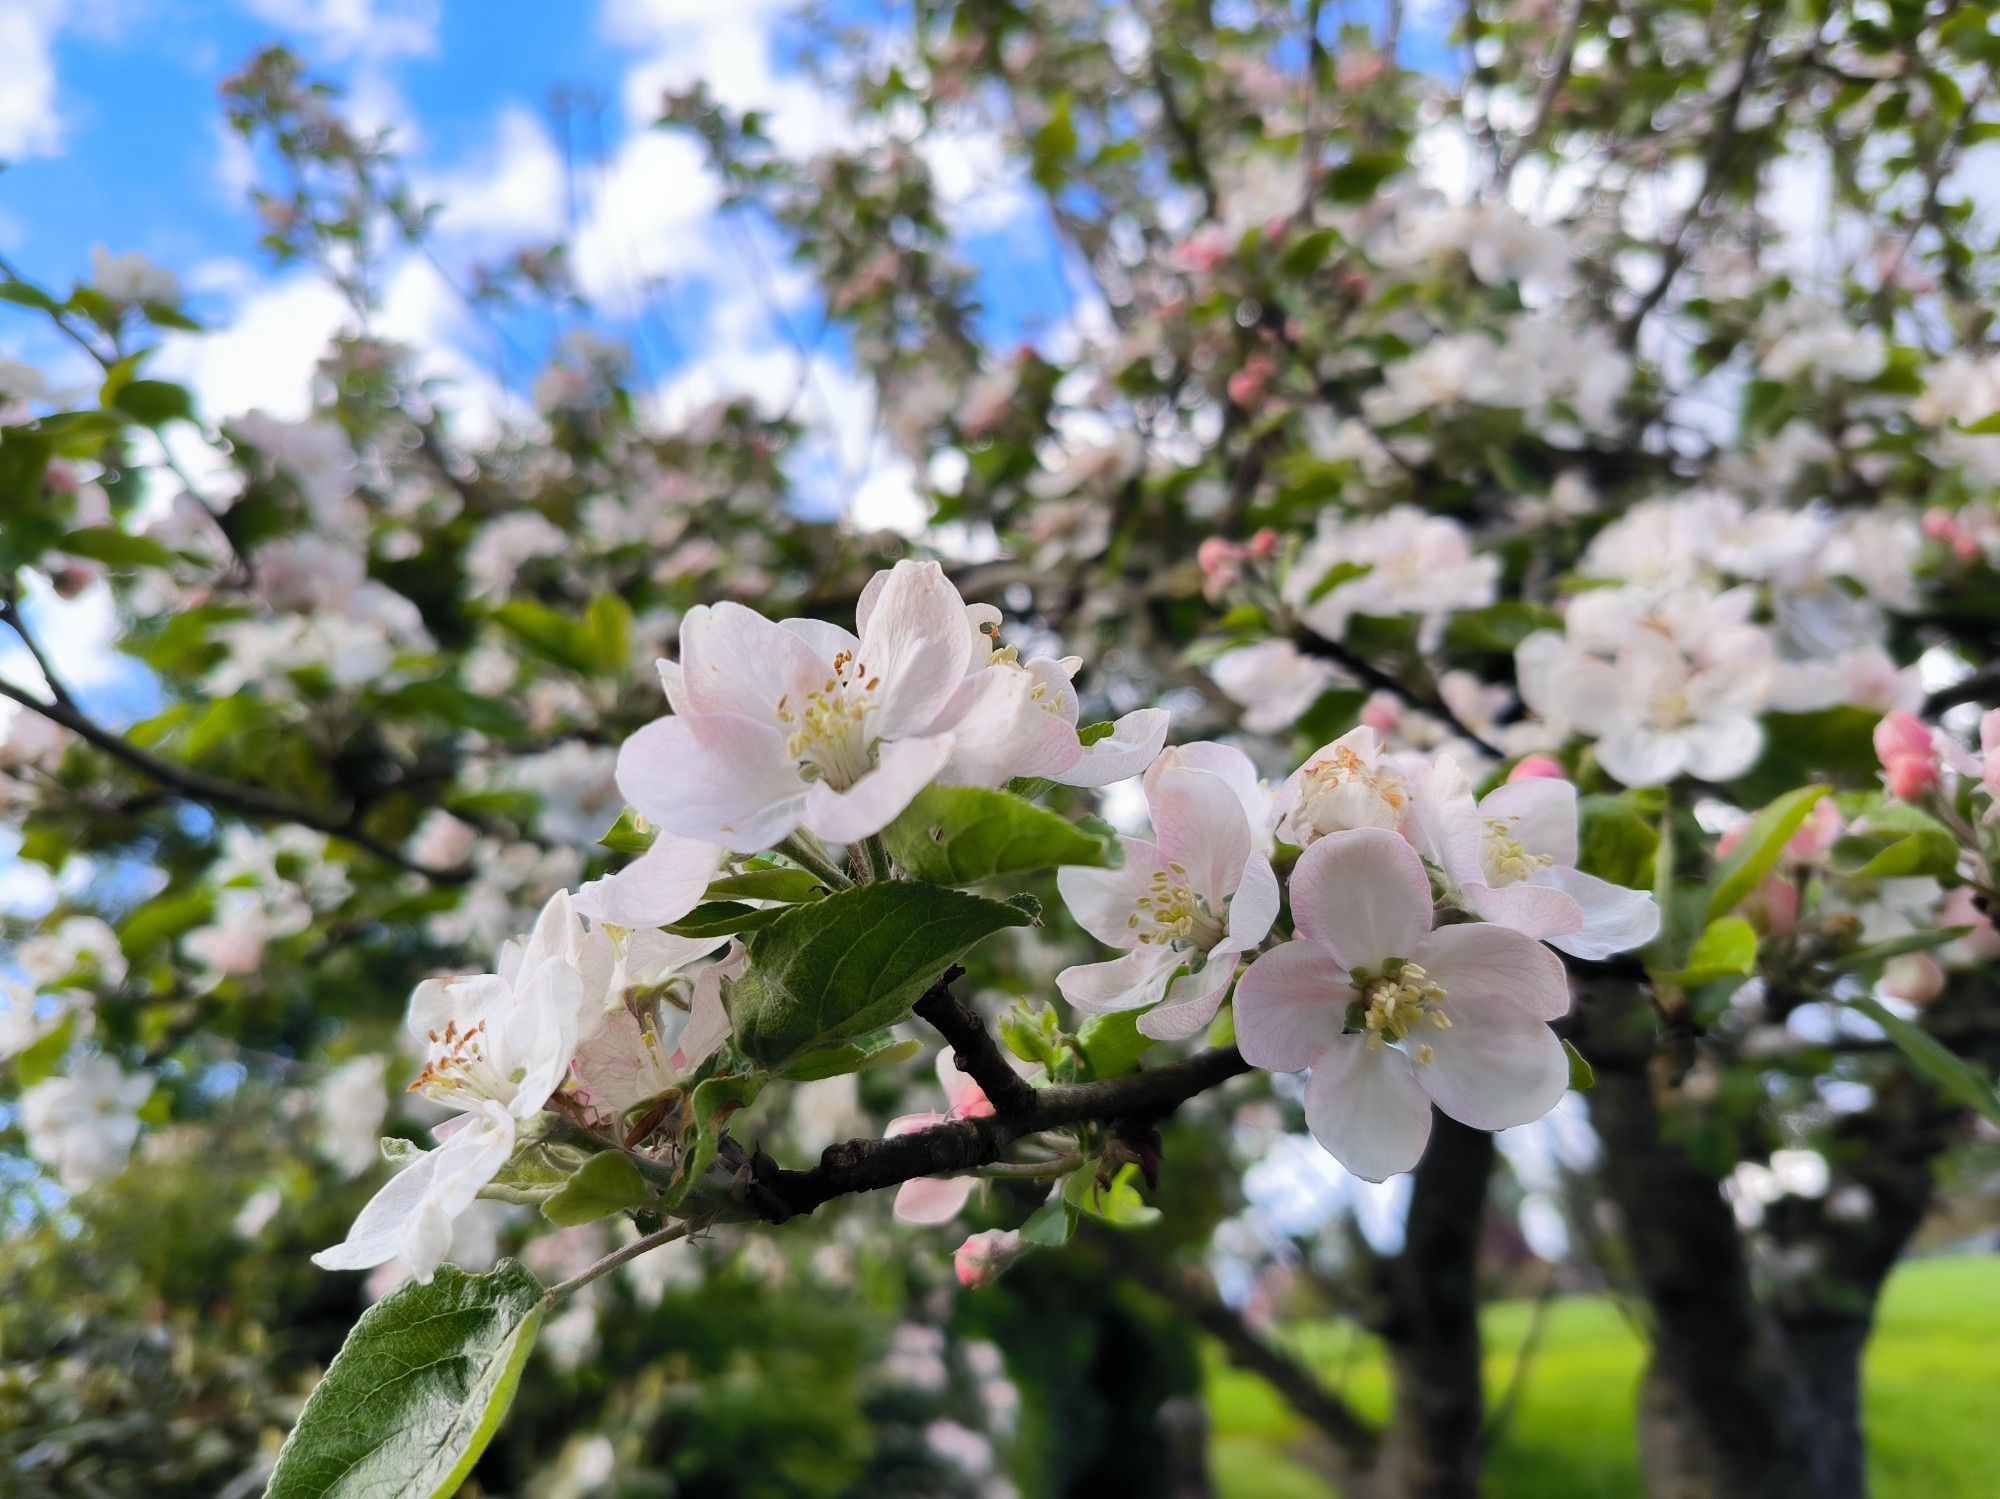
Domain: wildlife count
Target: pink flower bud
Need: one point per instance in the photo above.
(1908, 757)
(1382, 712)
(1916, 978)
(1536, 768)
(1961, 909)
(1910, 778)
(985, 1255)
(1265, 544)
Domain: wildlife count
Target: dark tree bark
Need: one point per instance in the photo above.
(1430, 1322)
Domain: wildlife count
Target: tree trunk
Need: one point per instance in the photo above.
(1431, 1323)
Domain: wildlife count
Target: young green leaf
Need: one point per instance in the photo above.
(1757, 854)
(416, 1392)
(606, 1184)
(1726, 948)
(1953, 1076)
(853, 963)
(960, 835)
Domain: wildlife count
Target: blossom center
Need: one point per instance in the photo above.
(459, 1064)
(1505, 858)
(1342, 790)
(1171, 914)
(829, 731)
(1399, 1000)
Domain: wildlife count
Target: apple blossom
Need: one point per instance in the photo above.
(1351, 783)
(496, 1047)
(1184, 907)
(937, 1199)
(779, 726)
(984, 1255)
(1391, 1016)
(665, 1018)
(1510, 858)
(1908, 754)
(84, 1124)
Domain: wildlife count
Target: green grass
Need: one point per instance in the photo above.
(1933, 1398)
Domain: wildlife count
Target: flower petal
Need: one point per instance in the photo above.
(1366, 1108)
(1289, 1006)
(1191, 1001)
(1254, 906)
(1103, 901)
(1200, 825)
(1362, 895)
(915, 640)
(733, 660)
(660, 886)
(411, 1217)
(1541, 812)
(1495, 1068)
(931, 1200)
(1535, 910)
(1137, 979)
(1485, 965)
(717, 777)
(1615, 919)
(1720, 749)
(1133, 744)
(902, 769)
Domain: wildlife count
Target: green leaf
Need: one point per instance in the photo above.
(455, 704)
(40, 1058)
(555, 637)
(1358, 178)
(853, 963)
(1615, 843)
(1582, 1076)
(790, 886)
(1757, 854)
(713, 1102)
(1307, 253)
(850, 1056)
(1986, 426)
(960, 835)
(1894, 947)
(723, 918)
(1953, 1076)
(609, 623)
(625, 837)
(1119, 1204)
(1051, 1224)
(1896, 842)
(1726, 948)
(607, 1183)
(1112, 1044)
(154, 402)
(417, 1390)
(116, 548)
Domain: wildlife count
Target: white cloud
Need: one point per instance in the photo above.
(29, 122)
(514, 191)
(372, 29)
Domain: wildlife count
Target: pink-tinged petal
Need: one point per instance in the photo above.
(1289, 1005)
(660, 886)
(717, 777)
(1000, 730)
(1133, 744)
(1615, 919)
(1488, 966)
(825, 640)
(673, 681)
(901, 770)
(733, 660)
(1254, 906)
(1233, 767)
(1191, 1002)
(1495, 1068)
(930, 1200)
(1540, 812)
(1443, 823)
(1200, 826)
(1362, 895)
(915, 640)
(1534, 910)
(1129, 983)
(1103, 901)
(909, 1124)
(1366, 1108)
(708, 1021)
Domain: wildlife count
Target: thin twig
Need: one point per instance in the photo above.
(565, 1289)
(1312, 643)
(978, 1056)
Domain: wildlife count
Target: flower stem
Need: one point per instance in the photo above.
(565, 1289)
(873, 855)
(808, 853)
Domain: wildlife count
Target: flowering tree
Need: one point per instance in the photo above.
(1536, 589)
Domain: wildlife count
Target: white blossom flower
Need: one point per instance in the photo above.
(663, 1017)
(497, 1045)
(1184, 907)
(131, 278)
(1391, 1016)
(349, 1105)
(777, 726)
(84, 1124)
(1510, 858)
(1350, 783)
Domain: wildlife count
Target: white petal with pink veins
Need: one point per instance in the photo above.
(659, 887)
(1362, 895)
(1536, 910)
(1191, 1002)
(1615, 919)
(1200, 826)
(1367, 1109)
(733, 660)
(1133, 744)
(1480, 962)
(1498, 1066)
(1128, 983)
(1104, 900)
(1290, 1004)
(915, 641)
(719, 777)
(901, 770)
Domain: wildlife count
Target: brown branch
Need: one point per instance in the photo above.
(224, 795)
(868, 1165)
(978, 1056)
(1311, 643)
